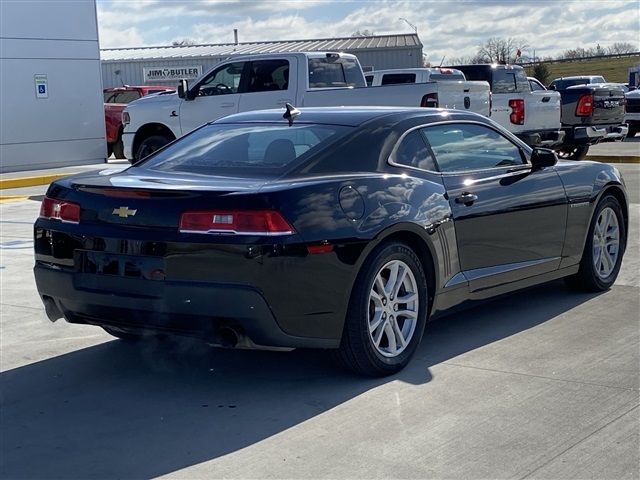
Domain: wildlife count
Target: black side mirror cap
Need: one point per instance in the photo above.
(543, 157)
(183, 89)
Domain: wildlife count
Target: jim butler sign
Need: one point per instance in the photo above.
(163, 74)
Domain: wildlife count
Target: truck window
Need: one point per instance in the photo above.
(126, 97)
(393, 78)
(509, 81)
(369, 80)
(268, 75)
(335, 72)
(221, 81)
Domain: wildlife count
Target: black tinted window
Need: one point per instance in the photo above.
(392, 78)
(460, 147)
(413, 152)
(126, 97)
(335, 72)
(245, 150)
(268, 75)
(369, 80)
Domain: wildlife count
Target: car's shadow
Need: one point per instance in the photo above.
(122, 411)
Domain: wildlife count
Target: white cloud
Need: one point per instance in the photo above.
(446, 28)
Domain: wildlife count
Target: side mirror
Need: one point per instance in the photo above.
(183, 89)
(543, 157)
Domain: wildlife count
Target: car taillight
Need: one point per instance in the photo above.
(240, 222)
(126, 119)
(584, 108)
(52, 208)
(517, 111)
(430, 100)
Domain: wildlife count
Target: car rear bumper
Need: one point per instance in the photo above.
(542, 138)
(197, 309)
(597, 133)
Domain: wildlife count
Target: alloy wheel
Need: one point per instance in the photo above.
(606, 242)
(393, 308)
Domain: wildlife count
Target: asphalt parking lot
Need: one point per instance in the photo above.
(540, 384)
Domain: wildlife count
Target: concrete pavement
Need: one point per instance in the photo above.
(540, 384)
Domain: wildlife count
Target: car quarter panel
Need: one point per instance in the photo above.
(585, 182)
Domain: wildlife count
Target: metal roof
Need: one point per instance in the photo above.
(248, 48)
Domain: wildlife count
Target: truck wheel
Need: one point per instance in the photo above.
(150, 145)
(387, 312)
(118, 149)
(573, 152)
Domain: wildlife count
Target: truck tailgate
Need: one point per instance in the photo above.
(542, 110)
(472, 96)
(608, 105)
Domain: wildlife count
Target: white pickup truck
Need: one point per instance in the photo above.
(534, 116)
(256, 82)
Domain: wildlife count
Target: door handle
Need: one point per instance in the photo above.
(467, 199)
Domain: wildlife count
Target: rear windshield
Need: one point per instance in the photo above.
(392, 78)
(507, 80)
(335, 72)
(244, 150)
(562, 84)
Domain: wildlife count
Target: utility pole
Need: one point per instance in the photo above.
(415, 29)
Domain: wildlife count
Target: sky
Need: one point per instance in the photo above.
(446, 28)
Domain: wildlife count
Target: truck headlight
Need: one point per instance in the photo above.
(126, 119)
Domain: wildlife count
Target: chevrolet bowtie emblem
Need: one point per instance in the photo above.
(124, 212)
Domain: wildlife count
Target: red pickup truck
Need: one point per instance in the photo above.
(115, 100)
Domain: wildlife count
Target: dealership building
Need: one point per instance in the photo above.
(51, 102)
(167, 65)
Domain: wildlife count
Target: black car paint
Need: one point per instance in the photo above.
(272, 287)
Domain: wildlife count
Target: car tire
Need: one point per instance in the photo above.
(150, 145)
(602, 256)
(387, 348)
(573, 152)
(633, 131)
(118, 149)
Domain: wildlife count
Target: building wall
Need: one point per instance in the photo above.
(57, 39)
(130, 72)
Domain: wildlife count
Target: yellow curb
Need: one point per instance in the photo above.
(613, 158)
(31, 181)
(12, 198)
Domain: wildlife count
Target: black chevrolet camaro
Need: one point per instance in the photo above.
(341, 228)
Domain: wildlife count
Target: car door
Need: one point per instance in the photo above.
(215, 96)
(268, 84)
(509, 220)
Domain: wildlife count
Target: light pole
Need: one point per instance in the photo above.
(415, 29)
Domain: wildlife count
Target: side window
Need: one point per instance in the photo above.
(109, 97)
(222, 81)
(369, 79)
(268, 75)
(460, 147)
(393, 78)
(535, 86)
(413, 152)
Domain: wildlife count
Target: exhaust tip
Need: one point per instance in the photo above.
(51, 309)
(228, 337)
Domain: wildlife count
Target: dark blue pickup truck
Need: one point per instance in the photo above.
(591, 113)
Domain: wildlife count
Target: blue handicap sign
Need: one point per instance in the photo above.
(41, 89)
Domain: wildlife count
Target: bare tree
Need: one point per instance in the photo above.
(501, 50)
(183, 42)
(363, 33)
(622, 47)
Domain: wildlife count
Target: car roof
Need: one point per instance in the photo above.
(349, 116)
